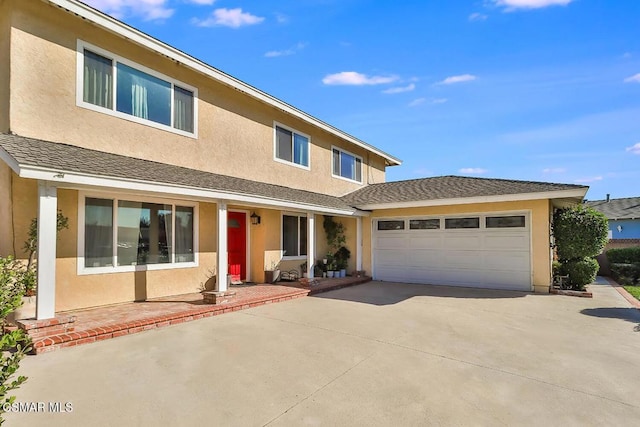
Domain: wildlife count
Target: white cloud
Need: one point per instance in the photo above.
(149, 10)
(634, 149)
(474, 17)
(473, 171)
(416, 102)
(439, 100)
(234, 18)
(286, 52)
(202, 2)
(633, 79)
(353, 78)
(400, 89)
(458, 79)
(511, 5)
(553, 170)
(587, 180)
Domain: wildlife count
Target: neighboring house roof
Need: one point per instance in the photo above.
(627, 208)
(67, 164)
(457, 190)
(136, 36)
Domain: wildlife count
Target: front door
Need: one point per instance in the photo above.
(237, 245)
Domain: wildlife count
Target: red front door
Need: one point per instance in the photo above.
(237, 245)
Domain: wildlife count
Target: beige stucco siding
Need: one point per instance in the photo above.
(540, 230)
(5, 33)
(6, 203)
(235, 134)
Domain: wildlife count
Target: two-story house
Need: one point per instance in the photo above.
(169, 169)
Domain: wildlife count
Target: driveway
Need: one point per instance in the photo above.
(374, 354)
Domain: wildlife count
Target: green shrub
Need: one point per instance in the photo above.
(581, 272)
(624, 255)
(13, 344)
(580, 232)
(626, 273)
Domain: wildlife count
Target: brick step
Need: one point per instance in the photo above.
(72, 338)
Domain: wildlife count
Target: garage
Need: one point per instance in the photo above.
(485, 250)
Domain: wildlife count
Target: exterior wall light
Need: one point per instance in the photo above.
(255, 219)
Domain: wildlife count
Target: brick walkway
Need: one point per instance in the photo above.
(77, 327)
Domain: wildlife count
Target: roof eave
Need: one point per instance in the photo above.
(145, 40)
(75, 180)
(577, 194)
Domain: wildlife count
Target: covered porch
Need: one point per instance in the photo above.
(141, 230)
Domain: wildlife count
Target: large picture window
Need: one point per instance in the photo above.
(294, 235)
(121, 233)
(131, 91)
(291, 146)
(346, 165)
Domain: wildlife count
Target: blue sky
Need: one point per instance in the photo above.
(545, 90)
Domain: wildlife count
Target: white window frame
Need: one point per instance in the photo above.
(115, 268)
(299, 215)
(293, 131)
(342, 150)
(82, 45)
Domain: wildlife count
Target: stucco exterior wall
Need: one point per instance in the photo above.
(6, 227)
(540, 231)
(236, 132)
(5, 33)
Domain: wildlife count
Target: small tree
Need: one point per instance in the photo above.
(580, 234)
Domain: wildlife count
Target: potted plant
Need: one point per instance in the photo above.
(303, 270)
(342, 256)
(272, 272)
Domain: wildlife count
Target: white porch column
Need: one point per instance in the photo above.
(359, 245)
(311, 243)
(46, 250)
(223, 257)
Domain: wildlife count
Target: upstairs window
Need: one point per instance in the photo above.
(347, 165)
(291, 147)
(131, 91)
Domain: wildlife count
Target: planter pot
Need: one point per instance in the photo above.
(271, 276)
(305, 275)
(324, 274)
(330, 274)
(343, 272)
(26, 311)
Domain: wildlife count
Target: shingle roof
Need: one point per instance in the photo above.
(67, 158)
(627, 208)
(447, 187)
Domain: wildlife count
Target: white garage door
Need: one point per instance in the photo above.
(486, 251)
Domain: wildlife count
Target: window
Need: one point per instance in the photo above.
(131, 91)
(347, 165)
(505, 221)
(292, 147)
(424, 224)
(294, 235)
(390, 225)
(145, 233)
(450, 223)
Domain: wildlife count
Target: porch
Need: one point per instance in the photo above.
(71, 328)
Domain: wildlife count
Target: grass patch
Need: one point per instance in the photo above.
(634, 290)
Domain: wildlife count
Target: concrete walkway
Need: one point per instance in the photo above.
(374, 354)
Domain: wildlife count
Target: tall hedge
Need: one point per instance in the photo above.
(580, 233)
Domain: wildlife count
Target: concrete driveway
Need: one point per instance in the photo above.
(374, 354)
